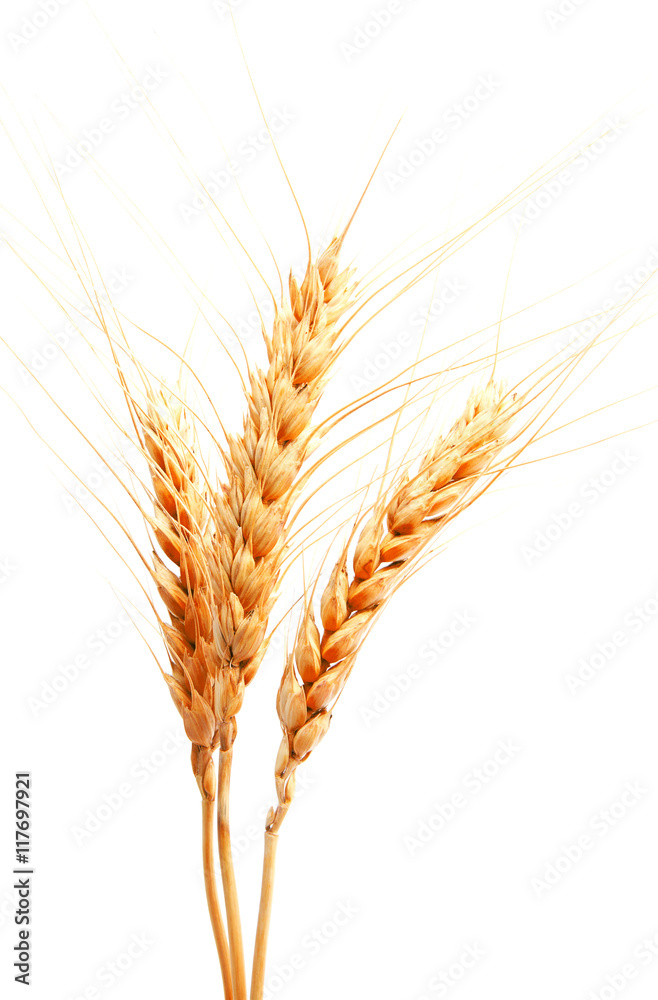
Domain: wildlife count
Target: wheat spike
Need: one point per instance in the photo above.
(182, 529)
(180, 524)
(421, 506)
(263, 463)
(250, 514)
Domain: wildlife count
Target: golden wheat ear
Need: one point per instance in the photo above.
(183, 573)
(392, 535)
(181, 570)
(263, 464)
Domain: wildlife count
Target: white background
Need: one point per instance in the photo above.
(393, 757)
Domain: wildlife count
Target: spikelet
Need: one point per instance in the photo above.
(333, 608)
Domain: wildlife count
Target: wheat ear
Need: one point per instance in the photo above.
(180, 524)
(316, 673)
(263, 464)
(250, 513)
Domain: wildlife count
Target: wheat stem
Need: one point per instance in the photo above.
(273, 823)
(212, 897)
(264, 915)
(228, 876)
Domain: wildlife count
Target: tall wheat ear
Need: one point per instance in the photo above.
(394, 533)
(263, 463)
(250, 513)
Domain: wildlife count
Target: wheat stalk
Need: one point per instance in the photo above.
(250, 513)
(316, 672)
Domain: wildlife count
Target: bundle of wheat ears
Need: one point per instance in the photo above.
(220, 549)
(222, 540)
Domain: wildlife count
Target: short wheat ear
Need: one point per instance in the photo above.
(180, 526)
